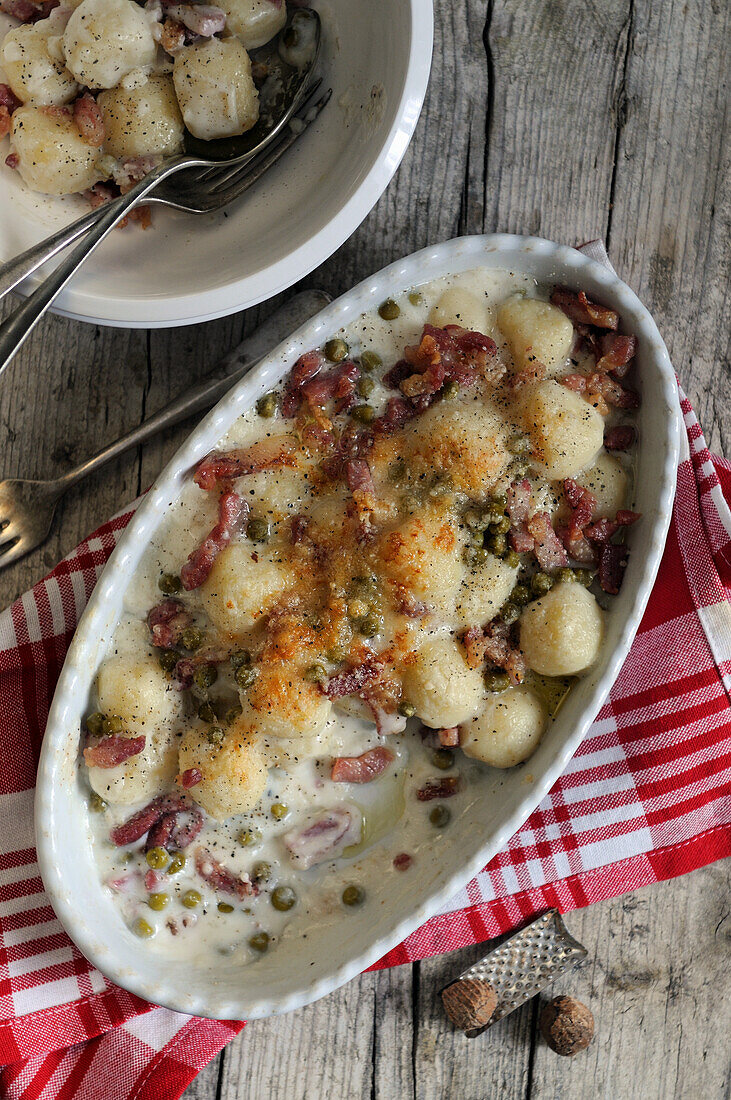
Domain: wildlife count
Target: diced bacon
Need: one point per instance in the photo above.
(191, 777)
(444, 787)
(408, 605)
(613, 393)
(161, 832)
(204, 20)
(402, 861)
(625, 518)
(577, 547)
(99, 195)
(323, 837)
(26, 10)
(185, 833)
(306, 367)
(521, 539)
(336, 385)
(398, 412)
(361, 769)
(527, 376)
(153, 879)
(396, 374)
(518, 494)
(8, 98)
(548, 549)
(494, 643)
(130, 171)
(123, 883)
(612, 564)
(220, 878)
(474, 644)
(617, 352)
(298, 529)
(583, 505)
(575, 382)
(448, 738)
(351, 681)
(266, 454)
(12, 160)
(57, 110)
(186, 666)
(135, 827)
(233, 517)
(602, 530)
(619, 438)
(579, 309)
(360, 483)
(111, 751)
(167, 621)
(89, 120)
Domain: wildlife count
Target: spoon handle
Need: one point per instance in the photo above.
(20, 267)
(233, 366)
(16, 328)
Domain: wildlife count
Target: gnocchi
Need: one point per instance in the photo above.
(234, 770)
(242, 587)
(536, 332)
(105, 40)
(254, 22)
(561, 633)
(53, 158)
(215, 89)
(507, 731)
(457, 306)
(566, 431)
(440, 684)
(142, 121)
(32, 73)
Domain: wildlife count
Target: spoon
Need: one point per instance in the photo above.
(289, 58)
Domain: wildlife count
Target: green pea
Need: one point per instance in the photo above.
(235, 711)
(214, 735)
(96, 723)
(336, 350)
(245, 677)
(442, 759)
(369, 626)
(501, 527)
(191, 898)
(510, 613)
(170, 584)
(500, 501)
(369, 360)
(519, 468)
(247, 838)
(114, 723)
(203, 677)
(389, 310)
(158, 901)
(206, 712)
(177, 863)
(316, 674)
(157, 858)
(496, 680)
(365, 387)
(224, 907)
(353, 895)
(565, 575)
(520, 595)
(518, 444)
(262, 871)
(257, 530)
(475, 520)
(142, 929)
(241, 657)
(474, 555)
(450, 389)
(266, 406)
(440, 816)
(259, 942)
(541, 583)
(97, 804)
(191, 638)
(397, 472)
(167, 660)
(498, 544)
(336, 655)
(584, 576)
(278, 810)
(415, 297)
(406, 710)
(363, 414)
(512, 559)
(283, 898)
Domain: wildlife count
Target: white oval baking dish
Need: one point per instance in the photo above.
(299, 972)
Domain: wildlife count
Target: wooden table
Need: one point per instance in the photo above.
(572, 120)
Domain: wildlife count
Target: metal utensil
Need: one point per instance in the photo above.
(228, 184)
(524, 964)
(219, 155)
(27, 507)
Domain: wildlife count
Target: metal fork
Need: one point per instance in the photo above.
(27, 507)
(194, 191)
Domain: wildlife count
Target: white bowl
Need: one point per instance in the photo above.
(376, 57)
(298, 972)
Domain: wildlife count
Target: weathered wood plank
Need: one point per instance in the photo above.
(671, 219)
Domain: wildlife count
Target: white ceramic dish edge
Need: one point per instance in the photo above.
(57, 802)
(248, 291)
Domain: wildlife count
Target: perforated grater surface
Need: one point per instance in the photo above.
(525, 964)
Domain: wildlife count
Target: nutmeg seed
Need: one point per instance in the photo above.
(469, 1003)
(567, 1025)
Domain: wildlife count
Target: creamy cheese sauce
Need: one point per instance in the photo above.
(390, 820)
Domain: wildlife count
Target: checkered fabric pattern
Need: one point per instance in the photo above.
(647, 797)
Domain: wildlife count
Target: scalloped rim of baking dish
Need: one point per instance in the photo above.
(70, 875)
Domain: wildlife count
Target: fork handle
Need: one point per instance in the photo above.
(233, 366)
(17, 327)
(20, 267)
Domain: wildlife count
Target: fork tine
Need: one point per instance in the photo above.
(16, 551)
(241, 178)
(7, 534)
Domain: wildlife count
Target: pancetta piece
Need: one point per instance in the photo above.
(220, 879)
(323, 837)
(579, 309)
(443, 787)
(361, 769)
(89, 120)
(270, 453)
(108, 752)
(233, 517)
(167, 621)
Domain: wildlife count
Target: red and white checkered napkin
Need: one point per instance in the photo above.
(646, 797)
